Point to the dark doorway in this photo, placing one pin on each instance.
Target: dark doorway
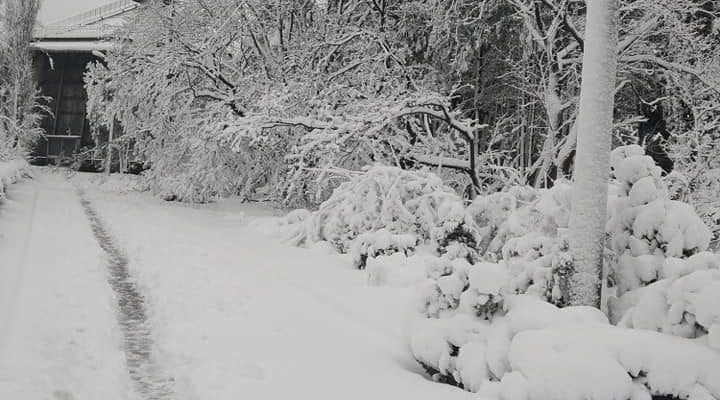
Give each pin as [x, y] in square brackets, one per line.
[60, 77]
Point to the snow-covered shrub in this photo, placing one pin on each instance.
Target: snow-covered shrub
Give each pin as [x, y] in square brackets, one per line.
[388, 209]
[543, 269]
[662, 275]
[381, 242]
[653, 240]
[460, 301]
[535, 350]
[472, 298]
[499, 216]
[470, 349]
[645, 225]
[458, 304]
[536, 252]
[440, 293]
[519, 229]
[11, 172]
[682, 303]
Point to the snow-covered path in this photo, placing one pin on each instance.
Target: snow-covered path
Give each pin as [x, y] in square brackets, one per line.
[234, 314]
[58, 332]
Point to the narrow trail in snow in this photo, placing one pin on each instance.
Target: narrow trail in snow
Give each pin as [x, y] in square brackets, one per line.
[149, 380]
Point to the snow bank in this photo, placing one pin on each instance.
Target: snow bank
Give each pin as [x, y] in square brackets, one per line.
[115, 183]
[119, 183]
[605, 362]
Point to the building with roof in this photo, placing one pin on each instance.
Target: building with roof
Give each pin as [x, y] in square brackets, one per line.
[62, 51]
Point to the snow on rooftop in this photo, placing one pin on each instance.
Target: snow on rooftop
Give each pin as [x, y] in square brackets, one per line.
[97, 23]
[71, 46]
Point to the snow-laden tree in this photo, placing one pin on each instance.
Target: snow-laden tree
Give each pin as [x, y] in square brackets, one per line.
[20, 109]
[185, 72]
[661, 44]
[307, 89]
[485, 92]
[592, 161]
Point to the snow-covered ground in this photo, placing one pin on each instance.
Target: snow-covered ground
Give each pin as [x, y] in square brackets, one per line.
[58, 331]
[233, 313]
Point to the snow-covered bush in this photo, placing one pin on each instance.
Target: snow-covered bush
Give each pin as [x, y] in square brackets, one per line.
[682, 303]
[387, 209]
[500, 216]
[11, 172]
[458, 302]
[465, 305]
[381, 242]
[662, 276]
[646, 226]
[456, 292]
[534, 350]
[482, 326]
[532, 243]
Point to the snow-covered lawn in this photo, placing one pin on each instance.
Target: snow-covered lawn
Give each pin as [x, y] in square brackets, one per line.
[234, 313]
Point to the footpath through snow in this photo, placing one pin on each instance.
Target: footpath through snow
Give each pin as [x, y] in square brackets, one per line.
[233, 314]
[59, 337]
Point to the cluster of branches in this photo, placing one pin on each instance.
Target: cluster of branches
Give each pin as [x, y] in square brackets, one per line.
[20, 106]
[234, 96]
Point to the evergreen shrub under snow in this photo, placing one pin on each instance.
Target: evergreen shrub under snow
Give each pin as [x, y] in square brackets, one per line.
[663, 277]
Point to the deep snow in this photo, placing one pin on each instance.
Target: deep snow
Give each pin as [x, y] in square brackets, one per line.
[233, 313]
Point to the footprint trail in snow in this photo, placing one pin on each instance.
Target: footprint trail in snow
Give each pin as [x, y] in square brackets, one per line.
[146, 374]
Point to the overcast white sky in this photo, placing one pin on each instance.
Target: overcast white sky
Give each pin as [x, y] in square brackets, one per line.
[53, 10]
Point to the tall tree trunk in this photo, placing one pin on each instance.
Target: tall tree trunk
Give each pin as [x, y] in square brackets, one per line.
[592, 161]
